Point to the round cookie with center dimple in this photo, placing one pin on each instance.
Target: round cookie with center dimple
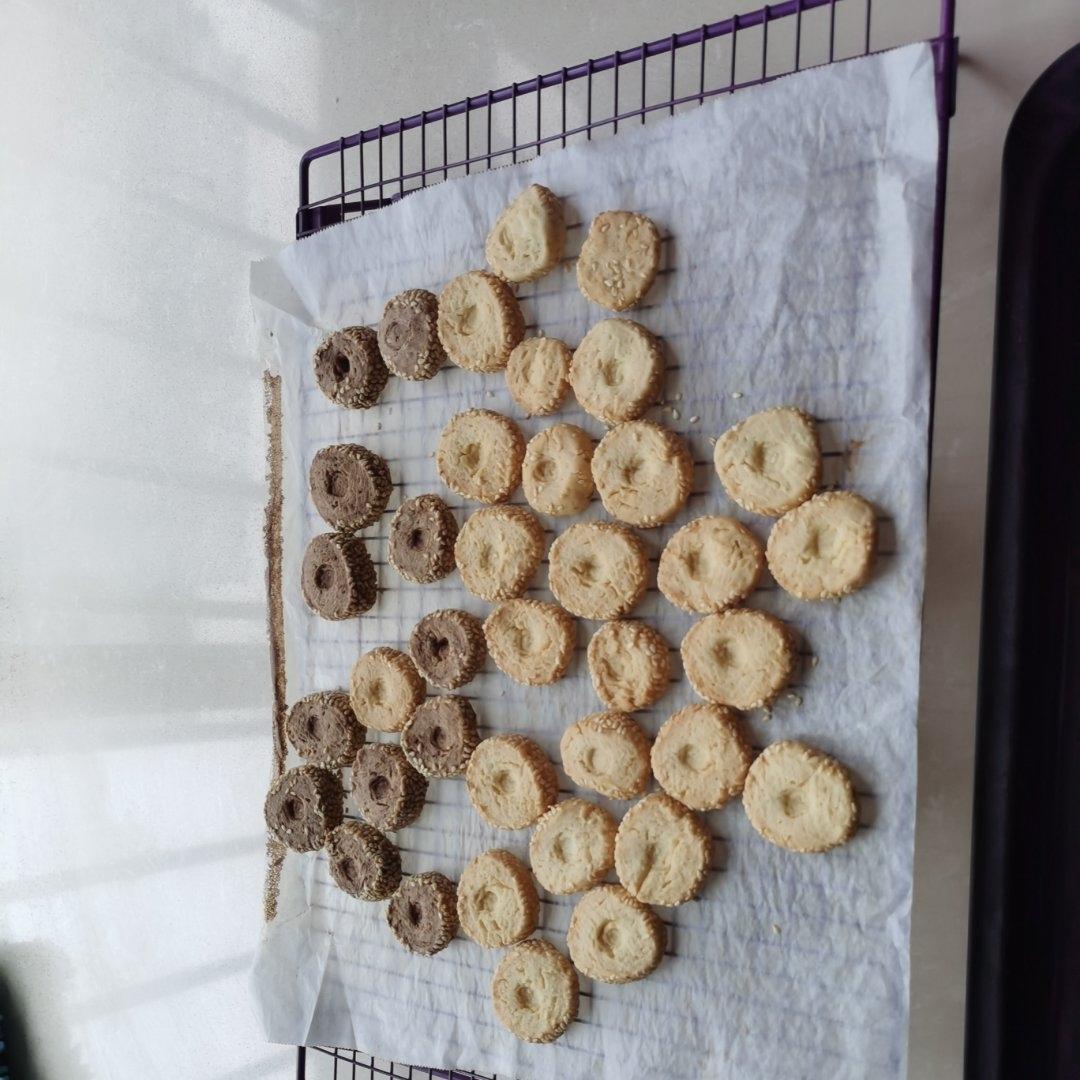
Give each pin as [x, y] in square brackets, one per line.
[598, 570]
[479, 321]
[479, 455]
[572, 846]
[498, 551]
[643, 473]
[799, 798]
[409, 335]
[662, 851]
[388, 790]
[384, 688]
[608, 753]
[535, 991]
[617, 370]
[710, 564]
[528, 238]
[324, 730]
[613, 937]
[337, 577]
[440, 736]
[619, 259]
[510, 781]
[448, 647]
[771, 461]
[740, 657]
[349, 369]
[556, 474]
[363, 862]
[496, 900]
[422, 535]
[530, 640]
[630, 664]
[303, 805]
[537, 374]
[350, 485]
[824, 549]
[700, 756]
[423, 913]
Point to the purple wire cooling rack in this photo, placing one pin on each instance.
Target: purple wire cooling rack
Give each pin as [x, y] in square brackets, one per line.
[360, 173]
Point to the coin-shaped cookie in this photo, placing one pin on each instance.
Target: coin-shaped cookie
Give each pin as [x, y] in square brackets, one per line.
[448, 647]
[409, 335]
[619, 259]
[303, 805]
[527, 240]
[323, 729]
[350, 485]
[349, 369]
[479, 321]
[337, 577]
[422, 535]
[422, 914]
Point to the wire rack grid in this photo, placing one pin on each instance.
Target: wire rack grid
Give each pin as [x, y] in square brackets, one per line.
[376, 167]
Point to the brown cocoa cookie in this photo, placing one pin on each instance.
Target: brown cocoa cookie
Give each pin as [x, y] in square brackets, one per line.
[422, 535]
[324, 730]
[423, 913]
[303, 805]
[338, 577]
[363, 862]
[388, 790]
[448, 647]
[349, 369]
[440, 736]
[349, 486]
[409, 335]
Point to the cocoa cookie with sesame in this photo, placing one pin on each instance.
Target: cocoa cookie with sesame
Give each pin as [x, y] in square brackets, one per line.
[337, 577]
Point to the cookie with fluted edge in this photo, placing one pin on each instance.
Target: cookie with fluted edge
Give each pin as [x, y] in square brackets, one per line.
[479, 455]
[771, 461]
[388, 790]
[337, 576]
[537, 374]
[824, 549]
[409, 335]
[303, 805]
[607, 752]
[363, 863]
[556, 473]
[350, 485]
[800, 798]
[711, 563]
[740, 657]
[496, 900]
[573, 846]
[422, 914]
[598, 570]
[479, 321]
[384, 688]
[323, 729]
[662, 851]
[448, 647]
[510, 781]
[531, 641]
[498, 551]
[440, 736]
[613, 937]
[535, 991]
[619, 259]
[630, 664]
[527, 240]
[349, 368]
[617, 370]
[700, 756]
[643, 473]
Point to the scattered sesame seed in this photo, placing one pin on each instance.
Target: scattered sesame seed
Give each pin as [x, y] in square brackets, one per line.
[795, 697]
[694, 419]
[813, 661]
[678, 397]
[776, 928]
[674, 414]
[737, 394]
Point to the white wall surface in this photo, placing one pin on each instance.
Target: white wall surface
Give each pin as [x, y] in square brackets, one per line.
[147, 153]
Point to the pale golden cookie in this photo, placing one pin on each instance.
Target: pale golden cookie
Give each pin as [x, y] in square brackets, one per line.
[530, 640]
[572, 846]
[528, 238]
[598, 570]
[607, 753]
[496, 900]
[479, 455]
[740, 657]
[384, 688]
[700, 756]
[710, 564]
[619, 259]
[617, 370]
[613, 937]
[537, 374]
[662, 851]
[643, 473]
[630, 664]
[535, 991]
[479, 321]
[510, 781]
[824, 549]
[771, 461]
[799, 798]
[498, 551]
[556, 474]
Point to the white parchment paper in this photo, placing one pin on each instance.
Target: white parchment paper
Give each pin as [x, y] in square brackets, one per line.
[796, 269]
